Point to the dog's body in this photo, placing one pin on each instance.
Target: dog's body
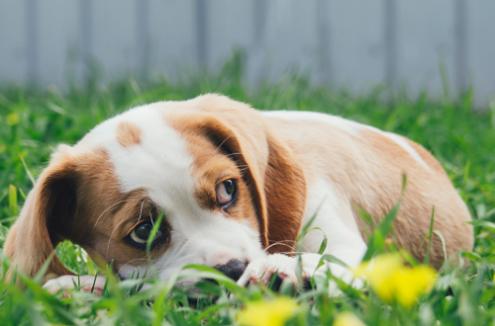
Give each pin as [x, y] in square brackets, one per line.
[234, 183]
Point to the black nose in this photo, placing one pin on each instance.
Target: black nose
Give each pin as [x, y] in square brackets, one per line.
[233, 269]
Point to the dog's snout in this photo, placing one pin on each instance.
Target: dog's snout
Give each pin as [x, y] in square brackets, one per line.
[233, 268]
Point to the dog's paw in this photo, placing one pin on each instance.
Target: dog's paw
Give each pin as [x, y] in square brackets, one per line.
[86, 283]
[277, 268]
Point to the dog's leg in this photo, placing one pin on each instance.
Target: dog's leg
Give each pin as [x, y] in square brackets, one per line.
[299, 268]
[331, 221]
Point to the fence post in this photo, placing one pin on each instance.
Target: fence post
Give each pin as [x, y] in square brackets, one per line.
[143, 37]
[32, 41]
[86, 39]
[201, 18]
[324, 40]
[461, 45]
[259, 14]
[390, 40]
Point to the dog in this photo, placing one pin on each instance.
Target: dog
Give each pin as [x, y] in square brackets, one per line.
[233, 188]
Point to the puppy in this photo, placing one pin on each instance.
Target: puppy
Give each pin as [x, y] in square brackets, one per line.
[233, 188]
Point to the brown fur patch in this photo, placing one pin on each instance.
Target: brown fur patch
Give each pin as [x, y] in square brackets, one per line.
[427, 192]
[78, 198]
[274, 181]
[128, 134]
[210, 167]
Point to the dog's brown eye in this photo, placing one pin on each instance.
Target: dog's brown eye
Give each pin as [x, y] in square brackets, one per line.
[226, 191]
[141, 233]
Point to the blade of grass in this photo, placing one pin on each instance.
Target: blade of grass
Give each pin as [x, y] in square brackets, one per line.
[154, 232]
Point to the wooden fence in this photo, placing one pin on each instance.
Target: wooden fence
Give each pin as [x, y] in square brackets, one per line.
[437, 45]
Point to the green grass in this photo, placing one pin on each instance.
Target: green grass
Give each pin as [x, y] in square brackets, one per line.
[33, 122]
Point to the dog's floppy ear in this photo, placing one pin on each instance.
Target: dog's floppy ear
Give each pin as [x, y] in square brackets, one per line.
[285, 191]
[47, 213]
[275, 180]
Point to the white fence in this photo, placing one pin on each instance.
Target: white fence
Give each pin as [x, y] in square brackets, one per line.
[353, 44]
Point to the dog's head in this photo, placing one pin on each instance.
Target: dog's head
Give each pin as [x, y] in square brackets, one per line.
[208, 170]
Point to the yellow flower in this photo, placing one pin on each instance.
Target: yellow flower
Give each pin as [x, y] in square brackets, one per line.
[378, 272]
[267, 313]
[411, 283]
[13, 119]
[347, 319]
[393, 281]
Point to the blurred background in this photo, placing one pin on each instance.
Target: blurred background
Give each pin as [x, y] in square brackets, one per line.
[443, 47]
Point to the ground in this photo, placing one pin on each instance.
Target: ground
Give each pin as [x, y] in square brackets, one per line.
[462, 137]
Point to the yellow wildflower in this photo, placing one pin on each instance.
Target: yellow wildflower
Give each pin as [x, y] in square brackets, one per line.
[393, 281]
[347, 319]
[12, 119]
[411, 283]
[378, 272]
[267, 313]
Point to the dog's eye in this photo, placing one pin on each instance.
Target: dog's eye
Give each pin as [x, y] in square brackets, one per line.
[226, 191]
[141, 233]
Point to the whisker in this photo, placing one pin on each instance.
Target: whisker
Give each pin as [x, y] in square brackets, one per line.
[281, 243]
[137, 260]
[109, 241]
[244, 169]
[209, 157]
[233, 154]
[140, 211]
[106, 211]
[222, 143]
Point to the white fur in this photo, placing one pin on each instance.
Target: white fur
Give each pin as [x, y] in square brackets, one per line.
[262, 269]
[333, 220]
[349, 126]
[161, 165]
[86, 283]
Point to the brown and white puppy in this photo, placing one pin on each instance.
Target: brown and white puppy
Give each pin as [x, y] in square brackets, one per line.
[235, 187]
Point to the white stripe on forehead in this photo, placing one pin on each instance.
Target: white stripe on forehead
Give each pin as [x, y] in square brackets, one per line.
[160, 163]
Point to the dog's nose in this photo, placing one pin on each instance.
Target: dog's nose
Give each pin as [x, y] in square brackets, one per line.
[233, 269]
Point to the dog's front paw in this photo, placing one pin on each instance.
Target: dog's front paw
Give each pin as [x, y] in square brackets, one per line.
[277, 268]
[86, 283]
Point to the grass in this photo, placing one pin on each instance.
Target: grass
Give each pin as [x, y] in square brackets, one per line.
[34, 122]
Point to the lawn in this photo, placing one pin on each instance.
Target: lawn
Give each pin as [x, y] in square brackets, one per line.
[33, 122]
